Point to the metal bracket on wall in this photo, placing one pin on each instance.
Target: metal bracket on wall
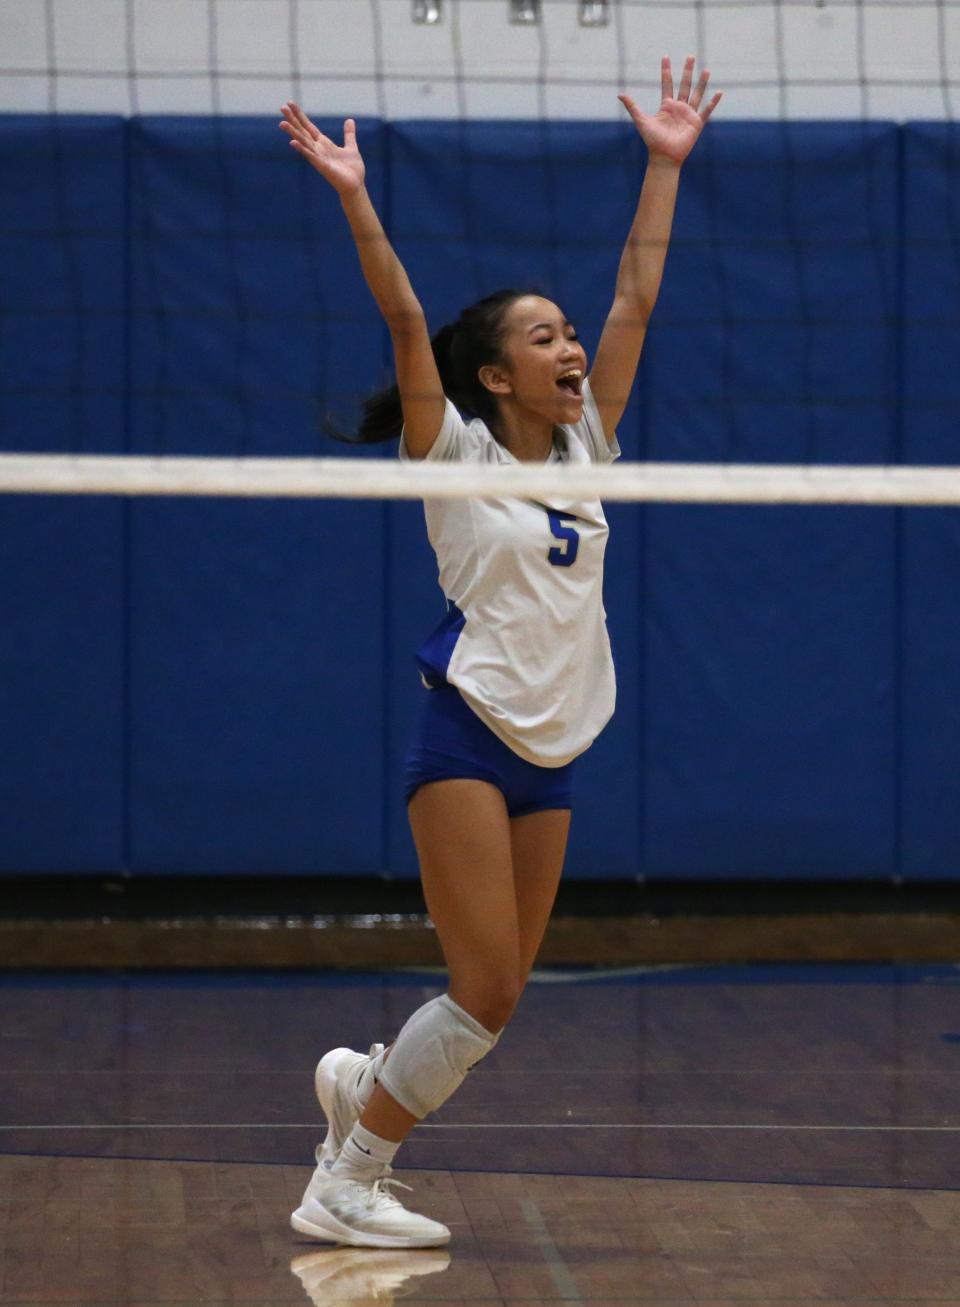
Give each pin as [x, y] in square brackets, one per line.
[525, 12]
[594, 13]
[428, 12]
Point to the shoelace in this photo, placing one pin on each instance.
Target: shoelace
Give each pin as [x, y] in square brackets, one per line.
[380, 1190]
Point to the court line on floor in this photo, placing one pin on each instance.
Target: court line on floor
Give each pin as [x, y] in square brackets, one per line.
[559, 1271]
[499, 1125]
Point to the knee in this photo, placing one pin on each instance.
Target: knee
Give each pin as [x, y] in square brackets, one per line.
[490, 999]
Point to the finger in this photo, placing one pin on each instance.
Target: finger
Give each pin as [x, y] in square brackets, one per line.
[303, 121]
[632, 109]
[666, 78]
[349, 135]
[700, 90]
[291, 117]
[686, 78]
[299, 125]
[309, 127]
[705, 113]
[296, 133]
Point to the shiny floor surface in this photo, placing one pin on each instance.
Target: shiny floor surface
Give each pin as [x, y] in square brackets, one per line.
[778, 1135]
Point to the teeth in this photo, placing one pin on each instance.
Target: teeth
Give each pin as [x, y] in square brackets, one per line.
[572, 372]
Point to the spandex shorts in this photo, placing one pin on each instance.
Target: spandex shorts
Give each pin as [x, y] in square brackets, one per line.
[451, 742]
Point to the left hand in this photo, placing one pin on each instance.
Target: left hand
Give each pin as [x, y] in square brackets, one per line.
[672, 131]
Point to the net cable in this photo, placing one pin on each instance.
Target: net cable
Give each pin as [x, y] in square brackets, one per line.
[230, 57]
[348, 478]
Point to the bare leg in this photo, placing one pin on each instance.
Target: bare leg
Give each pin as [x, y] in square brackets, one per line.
[463, 838]
[538, 845]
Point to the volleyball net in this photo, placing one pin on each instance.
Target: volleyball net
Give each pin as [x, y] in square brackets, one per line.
[209, 685]
[332, 478]
[177, 286]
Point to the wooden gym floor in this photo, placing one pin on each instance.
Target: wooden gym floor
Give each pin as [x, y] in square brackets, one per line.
[766, 1135]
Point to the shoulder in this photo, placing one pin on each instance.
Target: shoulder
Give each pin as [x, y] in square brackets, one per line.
[586, 440]
[459, 440]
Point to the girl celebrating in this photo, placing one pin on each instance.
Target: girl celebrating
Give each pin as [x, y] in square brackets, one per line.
[519, 679]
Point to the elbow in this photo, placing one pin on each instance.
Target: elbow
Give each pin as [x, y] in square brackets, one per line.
[405, 319]
[636, 307]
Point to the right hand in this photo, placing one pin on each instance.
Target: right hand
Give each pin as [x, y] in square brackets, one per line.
[342, 167]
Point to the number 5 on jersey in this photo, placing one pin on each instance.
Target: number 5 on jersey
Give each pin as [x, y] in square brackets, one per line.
[565, 554]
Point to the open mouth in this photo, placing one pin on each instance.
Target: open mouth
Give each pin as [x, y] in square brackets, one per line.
[570, 381]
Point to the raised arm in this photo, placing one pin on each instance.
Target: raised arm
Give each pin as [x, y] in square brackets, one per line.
[421, 392]
[669, 135]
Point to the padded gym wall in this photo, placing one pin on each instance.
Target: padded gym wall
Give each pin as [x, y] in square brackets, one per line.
[215, 687]
[63, 337]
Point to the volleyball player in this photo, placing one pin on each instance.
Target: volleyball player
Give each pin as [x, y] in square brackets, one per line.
[519, 679]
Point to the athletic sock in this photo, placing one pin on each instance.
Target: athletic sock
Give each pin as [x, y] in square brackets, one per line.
[363, 1155]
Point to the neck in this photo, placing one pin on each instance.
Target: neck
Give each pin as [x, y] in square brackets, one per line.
[527, 436]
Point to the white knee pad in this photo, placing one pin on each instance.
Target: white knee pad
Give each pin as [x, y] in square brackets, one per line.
[432, 1054]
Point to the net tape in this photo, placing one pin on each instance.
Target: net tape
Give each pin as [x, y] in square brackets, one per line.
[351, 478]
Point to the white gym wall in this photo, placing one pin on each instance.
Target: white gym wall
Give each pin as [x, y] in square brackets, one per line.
[795, 58]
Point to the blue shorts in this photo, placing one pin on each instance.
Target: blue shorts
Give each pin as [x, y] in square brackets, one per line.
[451, 742]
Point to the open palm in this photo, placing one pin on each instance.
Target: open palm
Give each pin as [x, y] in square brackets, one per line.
[673, 130]
[342, 166]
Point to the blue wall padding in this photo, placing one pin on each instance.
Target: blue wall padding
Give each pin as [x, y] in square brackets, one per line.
[775, 332]
[62, 688]
[220, 687]
[256, 643]
[929, 631]
[610, 782]
[769, 635]
[256, 653]
[770, 708]
[62, 562]
[63, 241]
[249, 315]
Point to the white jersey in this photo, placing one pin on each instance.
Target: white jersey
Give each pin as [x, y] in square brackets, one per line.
[524, 639]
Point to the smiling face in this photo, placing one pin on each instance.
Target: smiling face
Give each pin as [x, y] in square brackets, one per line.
[544, 365]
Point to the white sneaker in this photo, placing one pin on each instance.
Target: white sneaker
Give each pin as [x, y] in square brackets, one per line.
[364, 1214]
[336, 1080]
[353, 1275]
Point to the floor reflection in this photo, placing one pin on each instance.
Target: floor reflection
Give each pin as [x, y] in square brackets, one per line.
[364, 1275]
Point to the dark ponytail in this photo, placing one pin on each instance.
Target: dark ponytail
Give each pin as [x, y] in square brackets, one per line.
[460, 349]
